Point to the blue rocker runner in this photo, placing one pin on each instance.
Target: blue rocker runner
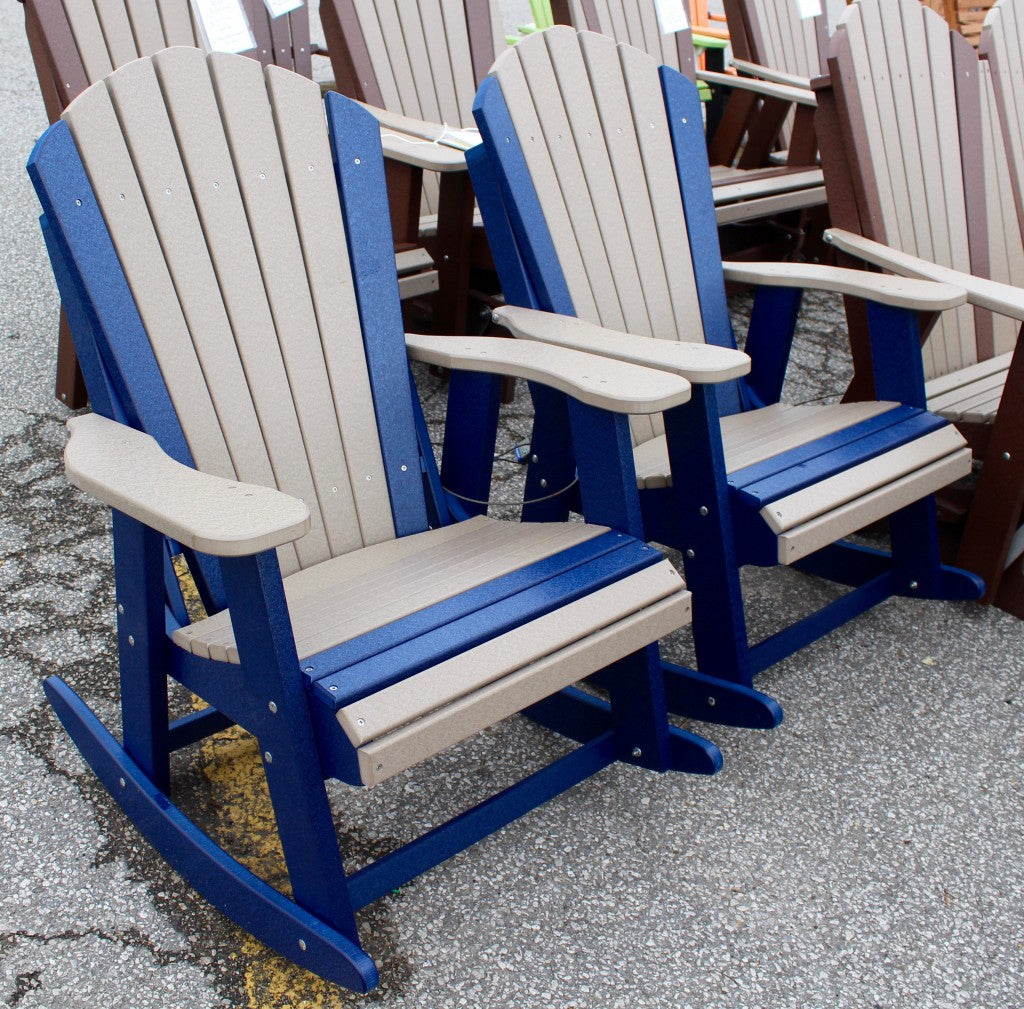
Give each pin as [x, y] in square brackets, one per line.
[222, 243]
[594, 186]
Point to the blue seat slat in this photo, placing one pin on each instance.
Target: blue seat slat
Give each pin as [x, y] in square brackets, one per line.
[437, 633]
[825, 457]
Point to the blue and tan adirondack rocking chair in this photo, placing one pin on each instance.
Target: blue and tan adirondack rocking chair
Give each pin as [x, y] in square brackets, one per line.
[235, 303]
[920, 184]
[594, 185]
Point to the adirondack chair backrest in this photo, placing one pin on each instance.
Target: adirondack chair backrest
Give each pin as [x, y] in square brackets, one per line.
[225, 210]
[924, 142]
[772, 33]
[634, 22]
[78, 42]
[604, 169]
[1002, 47]
[422, 59]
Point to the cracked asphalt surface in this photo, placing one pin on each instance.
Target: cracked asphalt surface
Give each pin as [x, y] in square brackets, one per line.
[867, 853]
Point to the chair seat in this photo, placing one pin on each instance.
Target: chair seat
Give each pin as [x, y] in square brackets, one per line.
[419, 642]
[970, 395]
[816, 473]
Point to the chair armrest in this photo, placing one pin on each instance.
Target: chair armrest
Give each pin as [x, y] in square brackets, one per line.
[437, 147]
[699, 363]
[1003, 299]
[766, 89]
[129, 471]
[590, 378]
[900, 292]
[771, 74]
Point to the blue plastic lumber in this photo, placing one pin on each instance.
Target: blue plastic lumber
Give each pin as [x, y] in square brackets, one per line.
[142, 646]
[391, 653]
[636, 694]
[693, 694]
[846, 563]
[470, 433]
[522, 205]
[512, 272]
[81, 329]
[686, 128]
[697, 461]
[438, 511]
[246, 899]
[359, 168]
[172, 587]
[769, 341]
[582, 716]
[439, 844]
[777, 647]
[81, 234]
[896, 359]
[197, 726]
[604, 460]
[835, 453]
[551, 490]
[281, 722]
[916, 566]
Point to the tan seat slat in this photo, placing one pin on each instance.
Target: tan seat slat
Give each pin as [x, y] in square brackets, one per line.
[356, 593]
[964, 376]
[827, 495]
[446, 726]
[803, 540]
[417, 695]
[956, 399]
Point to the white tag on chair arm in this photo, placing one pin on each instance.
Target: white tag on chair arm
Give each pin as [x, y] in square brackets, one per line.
[278, 7]
[223, 26]
[808, 8]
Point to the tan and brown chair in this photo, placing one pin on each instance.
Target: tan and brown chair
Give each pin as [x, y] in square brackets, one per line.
[920, 184]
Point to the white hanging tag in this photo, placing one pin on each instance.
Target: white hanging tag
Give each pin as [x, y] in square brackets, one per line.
[223, 26]
[671, 16]
[808, 8]
[275, 8]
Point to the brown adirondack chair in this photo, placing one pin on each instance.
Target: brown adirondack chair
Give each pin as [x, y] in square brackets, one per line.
[771, 42]
[417, 65]
[919, 183]
[747, 186]
[74, 45]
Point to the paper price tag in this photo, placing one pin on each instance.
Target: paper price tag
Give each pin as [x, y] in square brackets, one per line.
[278, 7]
[808, 9]
[223, 26]
[672, 16]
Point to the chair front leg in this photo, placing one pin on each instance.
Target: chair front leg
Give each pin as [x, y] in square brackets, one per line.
[280, 719]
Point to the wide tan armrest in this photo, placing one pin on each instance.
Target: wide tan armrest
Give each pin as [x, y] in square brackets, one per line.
[771, 74]
[590, 378]
[434, 146]
[130, 472]
[1003, 299]
[699, 363]
[768, 89]
[900, 292]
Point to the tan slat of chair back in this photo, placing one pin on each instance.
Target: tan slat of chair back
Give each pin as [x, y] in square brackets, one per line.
[909, 148]
[235, 252]
[622, 244]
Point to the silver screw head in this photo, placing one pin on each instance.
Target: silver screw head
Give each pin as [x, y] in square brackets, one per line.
[1006, 457]
[268, 756]
[712, 702]
[702, 510]
[302, 944]
[913, 586]
[131, 640]
[272, 707]
[636, 753]
[691, 554]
